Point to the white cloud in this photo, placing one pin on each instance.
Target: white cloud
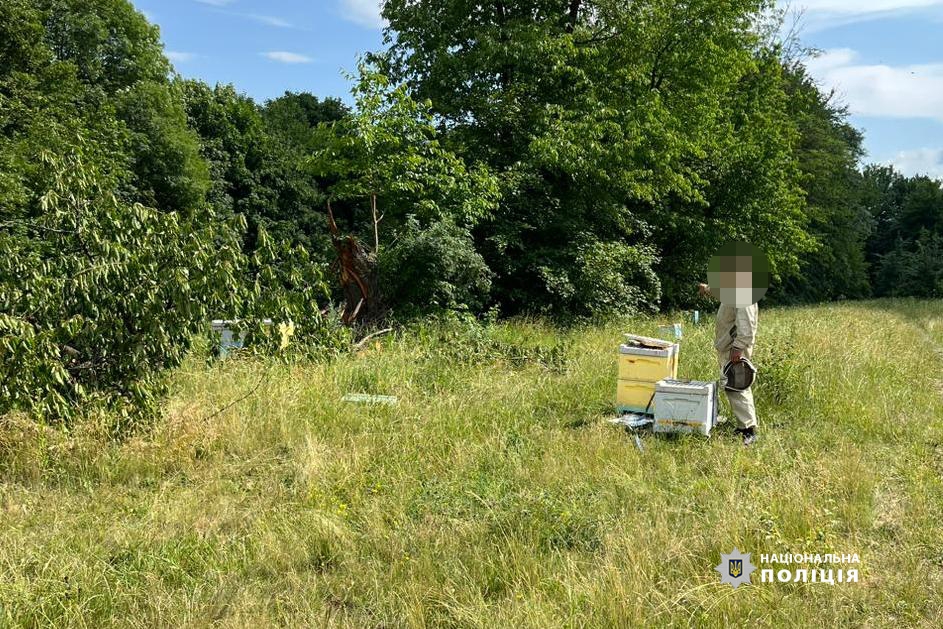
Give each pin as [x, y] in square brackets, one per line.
[910, 91]
[819, 15]
[363, 12]
[287, 57]
[271, 20]
[179, 57]
[831, 59]
[924, 161]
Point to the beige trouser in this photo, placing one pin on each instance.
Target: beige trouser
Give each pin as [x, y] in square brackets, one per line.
[741, 402]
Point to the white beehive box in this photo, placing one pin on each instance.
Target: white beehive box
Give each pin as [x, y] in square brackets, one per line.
[685, 406]
[229, 337]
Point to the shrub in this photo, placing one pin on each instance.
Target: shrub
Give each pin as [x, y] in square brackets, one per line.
[284, 284]
[98, 297]
[433, 268]
[605, 278]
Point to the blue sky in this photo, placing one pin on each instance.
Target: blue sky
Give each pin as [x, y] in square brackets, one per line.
[267, 47]
[884, 58]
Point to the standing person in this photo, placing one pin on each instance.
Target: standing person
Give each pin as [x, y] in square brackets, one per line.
[738, 277]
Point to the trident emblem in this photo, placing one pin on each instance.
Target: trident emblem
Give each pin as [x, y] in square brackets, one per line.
[735, 568]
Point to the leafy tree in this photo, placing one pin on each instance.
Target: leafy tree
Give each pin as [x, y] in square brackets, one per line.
[119, 60]
[388, 148]
[100, 293]
[921, 207]
[904, 248]
[627, 124]
[913, 269]
[21, 43]
[169, 172]
[751, 186]
[612, 276]
[433, 268]
[828, 150]
[386, 155]
[110, 43]
[294, 117]
[882, 191]
[99, 296]
[254, 172]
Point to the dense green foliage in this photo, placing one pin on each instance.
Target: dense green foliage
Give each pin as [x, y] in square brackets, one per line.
[905, 250]
[433, 268]
[828, 150]
[614, 128]
[111, 255]
[98, 296]
[390, 172]
[294, 117]
[256, 173]
[118, 59]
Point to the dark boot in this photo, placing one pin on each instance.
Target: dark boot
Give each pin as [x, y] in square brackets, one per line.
[748, 435]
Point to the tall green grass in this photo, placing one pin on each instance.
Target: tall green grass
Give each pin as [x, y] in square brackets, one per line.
[494, 494]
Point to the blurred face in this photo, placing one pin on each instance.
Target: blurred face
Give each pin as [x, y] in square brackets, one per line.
[739, 274]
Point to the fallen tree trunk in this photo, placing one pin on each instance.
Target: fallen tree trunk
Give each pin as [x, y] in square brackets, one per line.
[358, 277]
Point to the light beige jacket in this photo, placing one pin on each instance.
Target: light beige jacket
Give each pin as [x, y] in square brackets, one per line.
[735, 327]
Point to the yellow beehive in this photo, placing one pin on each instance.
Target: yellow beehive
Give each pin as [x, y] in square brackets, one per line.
[635, 396]
[650, 365]
[643, 361]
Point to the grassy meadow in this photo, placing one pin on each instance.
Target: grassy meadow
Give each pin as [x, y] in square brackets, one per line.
[494, 494]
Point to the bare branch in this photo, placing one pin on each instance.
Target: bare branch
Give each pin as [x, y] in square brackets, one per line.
[367, 338]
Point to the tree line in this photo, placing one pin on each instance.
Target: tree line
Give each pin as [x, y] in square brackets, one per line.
[559, 157]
